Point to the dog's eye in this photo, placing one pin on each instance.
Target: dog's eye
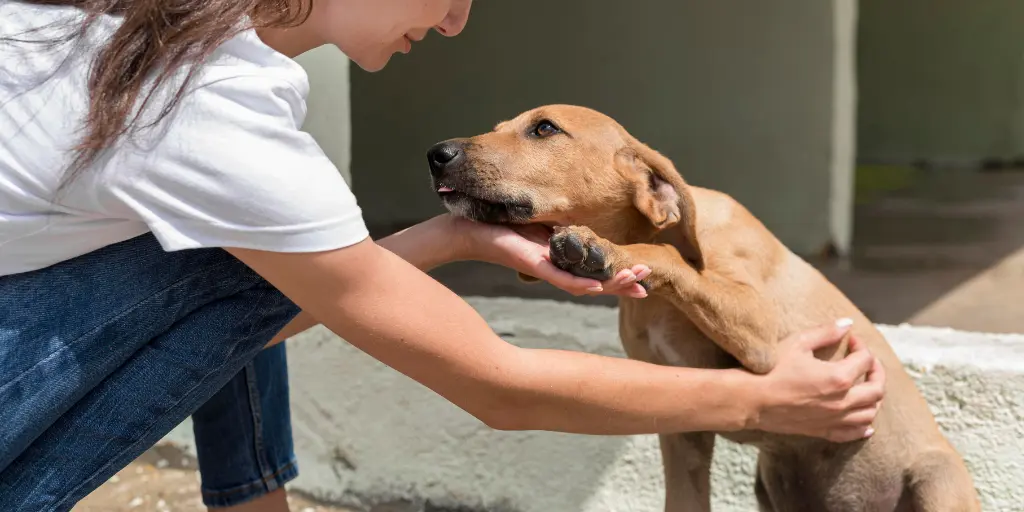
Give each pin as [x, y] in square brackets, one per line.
[544, 128]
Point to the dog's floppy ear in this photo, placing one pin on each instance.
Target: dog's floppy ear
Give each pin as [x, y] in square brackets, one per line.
[662, 196]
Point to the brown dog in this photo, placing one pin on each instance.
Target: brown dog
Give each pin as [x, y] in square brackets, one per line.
[723, 289]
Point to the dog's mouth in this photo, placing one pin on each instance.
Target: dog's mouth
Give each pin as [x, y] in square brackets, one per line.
[485, 207]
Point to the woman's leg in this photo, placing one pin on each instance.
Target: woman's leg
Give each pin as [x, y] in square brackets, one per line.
[104, 354]
[243, 435]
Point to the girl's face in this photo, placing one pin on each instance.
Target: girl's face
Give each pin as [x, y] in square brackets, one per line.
[370, 31]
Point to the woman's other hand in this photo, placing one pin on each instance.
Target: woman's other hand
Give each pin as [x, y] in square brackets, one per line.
[525, 249]
[835, 400]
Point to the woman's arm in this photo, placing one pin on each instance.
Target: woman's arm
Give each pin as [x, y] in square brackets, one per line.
[445, 239]
[391, 310]
[425, 246]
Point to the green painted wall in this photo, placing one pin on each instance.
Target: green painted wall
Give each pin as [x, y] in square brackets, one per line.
[940, 80]
[328, 114]
[741, 95]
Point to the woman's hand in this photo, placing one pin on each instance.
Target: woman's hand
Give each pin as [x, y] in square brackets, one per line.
[835, 400]
[525, 249]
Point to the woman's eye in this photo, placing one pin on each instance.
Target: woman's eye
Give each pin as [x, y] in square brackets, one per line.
[545, 129]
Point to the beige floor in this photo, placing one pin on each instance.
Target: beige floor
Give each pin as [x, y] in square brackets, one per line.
[165, 480]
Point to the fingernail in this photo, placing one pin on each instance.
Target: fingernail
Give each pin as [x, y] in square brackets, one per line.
[595, 289]
[644, 273]
[869, 432]
[628, 279]
[843, 323]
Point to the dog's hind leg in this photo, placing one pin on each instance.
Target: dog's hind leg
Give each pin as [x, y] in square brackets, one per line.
[940, 482]
[687, 462]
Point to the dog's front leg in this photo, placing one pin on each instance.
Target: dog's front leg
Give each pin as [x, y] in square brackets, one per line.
[686, 459]
[720, 303]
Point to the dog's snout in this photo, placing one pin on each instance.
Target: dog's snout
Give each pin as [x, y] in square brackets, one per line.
[443, 155]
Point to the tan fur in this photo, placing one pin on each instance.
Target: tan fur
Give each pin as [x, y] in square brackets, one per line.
[722, 291]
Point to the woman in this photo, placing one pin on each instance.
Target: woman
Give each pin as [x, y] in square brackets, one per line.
[163, 219]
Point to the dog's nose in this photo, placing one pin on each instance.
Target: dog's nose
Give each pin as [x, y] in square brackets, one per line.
[442, 155]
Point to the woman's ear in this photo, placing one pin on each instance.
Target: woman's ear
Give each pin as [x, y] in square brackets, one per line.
[664, 198]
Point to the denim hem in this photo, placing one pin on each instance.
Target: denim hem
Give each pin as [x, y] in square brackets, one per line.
[229, 497]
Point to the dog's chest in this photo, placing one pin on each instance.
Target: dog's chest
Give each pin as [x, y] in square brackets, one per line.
[664, 335]
[662, 341]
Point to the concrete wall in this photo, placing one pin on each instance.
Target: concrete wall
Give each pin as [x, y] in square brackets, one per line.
[328, 117]
[752, 98]
[940, 80]
[368, 435]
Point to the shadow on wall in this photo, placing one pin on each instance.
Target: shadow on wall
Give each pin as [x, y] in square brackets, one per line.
[944, 248]
[940, 91]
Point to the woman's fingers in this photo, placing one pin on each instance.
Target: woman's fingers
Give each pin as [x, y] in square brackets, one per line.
[847, 372]
[855, 424]
[625, 283]
[822, 335]
[624, 278]
[846, 435]
[565, 281]
[861, 418]
[642, 272]
[531, 258]
[868, 393]
[858, 363]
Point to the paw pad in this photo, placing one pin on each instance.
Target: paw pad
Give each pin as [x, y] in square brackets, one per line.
[579, 255]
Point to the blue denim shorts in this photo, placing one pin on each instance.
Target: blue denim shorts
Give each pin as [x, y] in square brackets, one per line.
[102, 355]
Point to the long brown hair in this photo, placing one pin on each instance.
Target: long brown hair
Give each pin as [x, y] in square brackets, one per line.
[156, 39]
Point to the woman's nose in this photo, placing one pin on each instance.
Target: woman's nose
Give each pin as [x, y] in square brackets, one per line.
[456, 19]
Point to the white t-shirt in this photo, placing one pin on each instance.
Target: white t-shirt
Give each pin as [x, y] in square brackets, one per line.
[230, 168]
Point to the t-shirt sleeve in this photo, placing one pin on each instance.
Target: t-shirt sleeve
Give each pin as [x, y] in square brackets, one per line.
[231, 168]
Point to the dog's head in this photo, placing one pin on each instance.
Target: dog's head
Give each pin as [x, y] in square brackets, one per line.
[562, 165]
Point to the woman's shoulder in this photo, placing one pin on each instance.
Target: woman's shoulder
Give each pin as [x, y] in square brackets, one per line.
[245, 55]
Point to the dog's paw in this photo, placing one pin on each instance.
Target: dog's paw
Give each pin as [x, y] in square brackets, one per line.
[577, 250]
